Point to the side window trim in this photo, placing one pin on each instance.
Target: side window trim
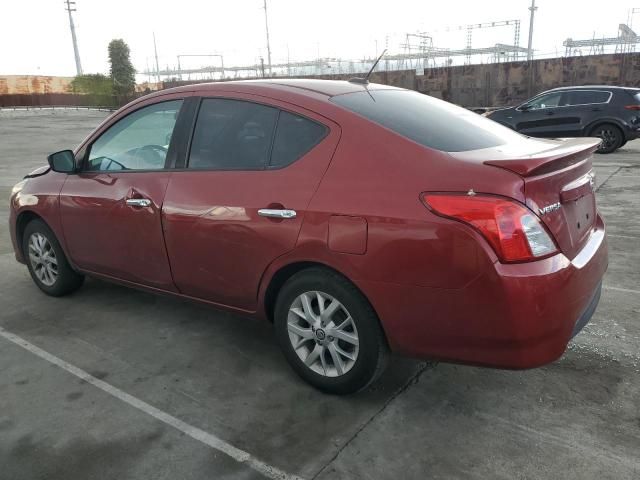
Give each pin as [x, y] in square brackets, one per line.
[178, 153]
[591, 103]
[270, 166]
[199, 101]
[542, 95]
[87, 148]
[566, 94]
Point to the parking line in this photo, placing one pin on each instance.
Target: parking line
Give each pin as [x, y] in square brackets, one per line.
[193, 432]
[615, 235]
[620, 289]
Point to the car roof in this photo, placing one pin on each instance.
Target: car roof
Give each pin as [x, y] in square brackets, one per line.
[297, 86]
[590, 87]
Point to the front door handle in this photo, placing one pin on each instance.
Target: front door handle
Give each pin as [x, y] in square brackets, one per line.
[138, 202]
[277, 213]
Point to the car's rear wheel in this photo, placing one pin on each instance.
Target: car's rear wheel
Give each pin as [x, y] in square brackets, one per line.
[46, 261]
[611, 137]
[329, 332]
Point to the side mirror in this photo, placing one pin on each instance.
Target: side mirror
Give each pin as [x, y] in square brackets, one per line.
[525, 108]
[62, 161]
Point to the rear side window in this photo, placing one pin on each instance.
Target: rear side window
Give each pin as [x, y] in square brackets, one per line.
[586, 97]
[232, 135]
[426, 120]
[295, 136]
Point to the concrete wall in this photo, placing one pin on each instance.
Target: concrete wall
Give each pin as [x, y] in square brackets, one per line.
[500, 84]
[496, 84]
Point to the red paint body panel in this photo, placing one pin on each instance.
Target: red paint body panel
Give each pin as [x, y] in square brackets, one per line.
[218, 244]
[435, 283]
[104, 234]
[347, 234]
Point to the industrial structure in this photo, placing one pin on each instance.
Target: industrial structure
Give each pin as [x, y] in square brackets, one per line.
[418, 52]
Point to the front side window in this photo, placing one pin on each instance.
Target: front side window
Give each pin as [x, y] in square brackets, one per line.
[232, 135]
[545, 101]
[139, 141]
[587, 97]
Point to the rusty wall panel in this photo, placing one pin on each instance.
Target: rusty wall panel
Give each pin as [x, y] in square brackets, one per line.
[33, 84]
[496, 84]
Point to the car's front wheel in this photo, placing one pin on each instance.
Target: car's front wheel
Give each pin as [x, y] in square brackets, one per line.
[46, 261]
[611, 137]
[329, 332]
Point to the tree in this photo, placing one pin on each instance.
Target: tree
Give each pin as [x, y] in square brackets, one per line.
[123, 75]
[92, 84]
[95, 88]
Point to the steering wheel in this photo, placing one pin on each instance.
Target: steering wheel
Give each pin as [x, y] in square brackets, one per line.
[157, 152]
[111, 161]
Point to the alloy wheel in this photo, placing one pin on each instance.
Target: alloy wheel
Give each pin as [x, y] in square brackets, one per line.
[609, 138]
[43, 259]
[323, 334]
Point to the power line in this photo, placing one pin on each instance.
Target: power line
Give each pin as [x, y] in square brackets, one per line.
[70, 7]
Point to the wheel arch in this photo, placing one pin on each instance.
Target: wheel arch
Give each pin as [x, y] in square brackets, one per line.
[604, 121]
[280, 277]
[285, 272]
[23, 219]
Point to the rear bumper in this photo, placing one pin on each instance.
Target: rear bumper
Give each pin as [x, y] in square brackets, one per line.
[513, 316]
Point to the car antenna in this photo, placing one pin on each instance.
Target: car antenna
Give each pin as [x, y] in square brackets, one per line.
[365, 80]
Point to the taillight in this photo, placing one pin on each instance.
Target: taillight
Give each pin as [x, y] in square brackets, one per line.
[514, 232]
[632, 107]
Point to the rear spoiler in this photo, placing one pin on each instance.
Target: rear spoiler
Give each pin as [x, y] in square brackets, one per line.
[570, 152]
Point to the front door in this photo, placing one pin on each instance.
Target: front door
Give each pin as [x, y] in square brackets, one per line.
[240, 202]
[111, 208]
[541, 117]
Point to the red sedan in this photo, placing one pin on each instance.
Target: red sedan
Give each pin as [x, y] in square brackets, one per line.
[358, 218]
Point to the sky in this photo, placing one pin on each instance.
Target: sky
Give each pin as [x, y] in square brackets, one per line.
[35, 36]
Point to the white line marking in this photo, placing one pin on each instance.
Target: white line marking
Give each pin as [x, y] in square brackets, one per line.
[619, 289]
[194, 432]
[623, 236]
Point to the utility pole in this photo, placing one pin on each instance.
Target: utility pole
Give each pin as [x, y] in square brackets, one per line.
[155, 51]
[71, 7]
[266, 26]
[532, 9]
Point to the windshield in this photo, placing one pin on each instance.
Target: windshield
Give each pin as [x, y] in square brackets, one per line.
[426, 120]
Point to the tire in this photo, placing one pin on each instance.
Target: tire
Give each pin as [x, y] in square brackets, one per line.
[46, 261]
[362, 364]
[611, 135]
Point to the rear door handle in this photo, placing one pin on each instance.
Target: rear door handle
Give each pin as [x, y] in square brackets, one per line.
[138, 202]
[277, 213]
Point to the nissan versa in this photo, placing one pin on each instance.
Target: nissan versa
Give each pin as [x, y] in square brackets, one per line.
[358, 218]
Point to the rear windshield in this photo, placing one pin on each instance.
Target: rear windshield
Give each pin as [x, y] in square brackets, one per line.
[426, 120]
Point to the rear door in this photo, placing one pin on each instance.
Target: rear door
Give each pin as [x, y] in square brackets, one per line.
[583, 107]
[111, 209]
[240, 200]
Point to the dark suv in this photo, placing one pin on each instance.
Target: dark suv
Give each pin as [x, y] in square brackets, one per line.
[610, 113]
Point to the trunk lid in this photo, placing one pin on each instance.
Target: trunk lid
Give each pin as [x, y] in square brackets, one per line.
[559, 184]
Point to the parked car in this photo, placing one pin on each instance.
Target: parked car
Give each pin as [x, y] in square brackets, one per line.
[358, 218]
[609, 113]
